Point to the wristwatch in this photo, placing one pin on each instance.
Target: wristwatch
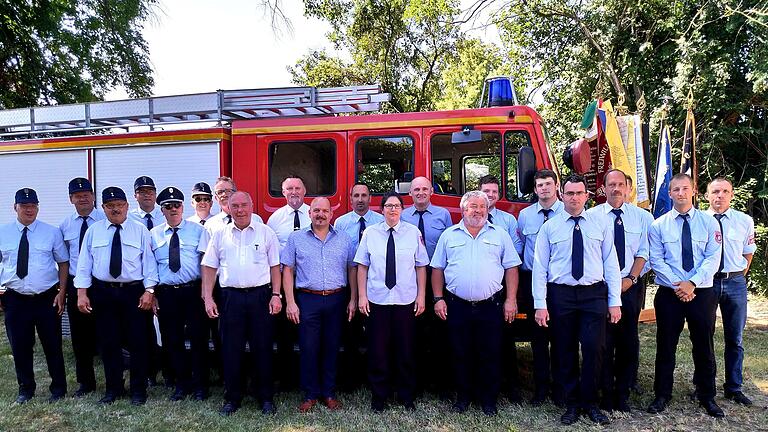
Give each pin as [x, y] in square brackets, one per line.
[278, 295]
[632, 278]
[150, 290]
[437, 299]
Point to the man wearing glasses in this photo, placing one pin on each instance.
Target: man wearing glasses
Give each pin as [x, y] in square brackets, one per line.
[223, 190]
[202, 201]
[146, 213]
[576, 284]
[177, 249]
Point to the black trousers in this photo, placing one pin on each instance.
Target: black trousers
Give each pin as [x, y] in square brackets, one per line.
[433, 360]
[544, 365]
[319, 341]
[577, 317]
[475, 330]
[182, 313]
[244, 317]
[118, 318]
[391, 334]
[352, 359]
[23, 315]
[82, 329]
[671, 315]
[622, 347]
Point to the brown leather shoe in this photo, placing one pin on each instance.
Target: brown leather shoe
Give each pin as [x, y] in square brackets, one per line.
[307, 405]
[332, 403]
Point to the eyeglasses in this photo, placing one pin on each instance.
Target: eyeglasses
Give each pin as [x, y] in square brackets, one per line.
[571, 194]
[202, 198]
[392, 206]
[115, 205]
[172, 205]
[223, 192]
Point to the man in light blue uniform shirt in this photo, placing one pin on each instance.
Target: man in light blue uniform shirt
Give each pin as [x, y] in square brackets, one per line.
[33, 293]
[630, 226]
[576, 282]
[82, 327]
[146, 213]
[730, 281]
[685, 248]
[361, 217]
[321, 259]
[354, 223]
[115, 280]
[180, 310]
[471, 260]
[529, 223]
[431, 333]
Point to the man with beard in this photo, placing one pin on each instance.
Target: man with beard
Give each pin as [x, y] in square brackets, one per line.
[321, 259]
[115, 280]
[82, 327]
[471, 259]
[354, 224]
[248, 258]
[33, 293]
[630, 238]
[576, 282]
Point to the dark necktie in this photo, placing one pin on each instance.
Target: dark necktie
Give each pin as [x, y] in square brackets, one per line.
[687, 244]
[202, 221]
[229, 219]
[22, 265]
[490, 217]
[174, 252]
[83, 229]
[618, 237]
[362, 228]
[722, 234]
[546, 213]
[421, 224]
[150, 224]
[116, 256]
[296, 221]
[391, 269]
[577, 251]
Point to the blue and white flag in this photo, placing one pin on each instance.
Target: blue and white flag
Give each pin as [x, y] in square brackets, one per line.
[662, 202]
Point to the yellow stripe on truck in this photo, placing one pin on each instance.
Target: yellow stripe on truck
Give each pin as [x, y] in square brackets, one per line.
[96, 142]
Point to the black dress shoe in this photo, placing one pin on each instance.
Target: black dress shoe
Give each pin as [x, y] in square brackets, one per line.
[23, 398]
[200, 395]
[738, 397]
[268, 408]
[598, 416]
[658, 405]
[622, 405]
[56, 397]
[712, 409]
[82, 391]
[138, 399]
[109, 398]
[570, 416]
[178, 395]
[490, 410]
[228, 408]
[460, 406]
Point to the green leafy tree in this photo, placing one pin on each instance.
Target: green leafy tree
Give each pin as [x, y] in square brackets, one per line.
[65, 51]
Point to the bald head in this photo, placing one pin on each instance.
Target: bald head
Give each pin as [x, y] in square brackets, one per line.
[320, 213]
[241, 208]
[421, 192]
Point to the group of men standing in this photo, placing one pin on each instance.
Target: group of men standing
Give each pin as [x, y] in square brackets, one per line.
[578, 272]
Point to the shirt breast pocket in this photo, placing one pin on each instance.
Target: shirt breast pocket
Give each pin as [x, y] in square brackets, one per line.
[454, 250]
[132, 262]
[699, 243]
[530, 232]
[9, 253]
[258, 254]
[632, 237]
[737, 235]
[161, 252]
[593, 242]
[101, 252]
[492, 248]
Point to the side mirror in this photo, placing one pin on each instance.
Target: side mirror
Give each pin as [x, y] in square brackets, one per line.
[467, 135]
[526, 168]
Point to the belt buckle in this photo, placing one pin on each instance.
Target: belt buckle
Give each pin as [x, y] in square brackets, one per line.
[324, 292]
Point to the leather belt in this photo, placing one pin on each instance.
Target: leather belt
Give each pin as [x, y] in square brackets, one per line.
[728, 275]
[495, 296]
[184, 285]
[120, 284]
[248, 289]
[320, 292]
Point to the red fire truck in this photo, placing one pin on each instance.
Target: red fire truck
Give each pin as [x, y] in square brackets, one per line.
[259, 136]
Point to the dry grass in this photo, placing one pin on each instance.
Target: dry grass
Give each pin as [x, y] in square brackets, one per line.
[431, 415]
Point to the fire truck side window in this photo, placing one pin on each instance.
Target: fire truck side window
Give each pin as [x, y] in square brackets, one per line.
[314, 161]
[513, 141]
[456, 168]
[385, 163]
